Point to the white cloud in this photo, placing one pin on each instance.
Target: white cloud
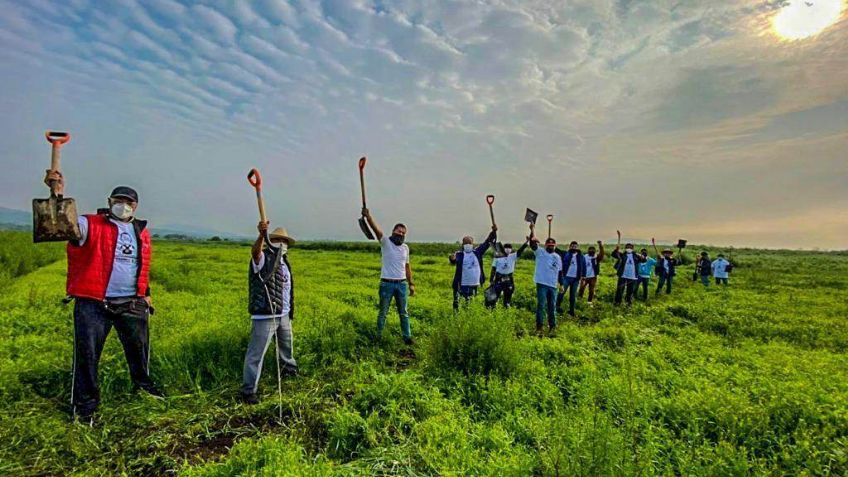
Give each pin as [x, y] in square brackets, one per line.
[454, 97]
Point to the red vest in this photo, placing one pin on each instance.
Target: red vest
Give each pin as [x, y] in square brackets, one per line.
[90, 265]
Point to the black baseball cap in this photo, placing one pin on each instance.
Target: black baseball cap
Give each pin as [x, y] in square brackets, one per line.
[124, 191]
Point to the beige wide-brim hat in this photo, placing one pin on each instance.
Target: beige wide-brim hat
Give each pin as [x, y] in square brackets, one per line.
[282, 234]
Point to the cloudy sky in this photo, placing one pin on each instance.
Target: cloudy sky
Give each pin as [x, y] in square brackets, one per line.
[671, 119]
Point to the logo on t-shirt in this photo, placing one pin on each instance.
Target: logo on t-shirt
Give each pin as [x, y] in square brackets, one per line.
[126, 247]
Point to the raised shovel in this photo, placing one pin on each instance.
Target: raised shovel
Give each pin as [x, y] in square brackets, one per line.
[498, 247]
[255, 179]
[550, 219]
[55, 219]
[363, 224]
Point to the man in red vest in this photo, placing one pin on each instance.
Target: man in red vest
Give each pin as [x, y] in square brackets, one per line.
[108, 276]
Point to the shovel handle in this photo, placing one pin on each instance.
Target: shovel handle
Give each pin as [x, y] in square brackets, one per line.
[57, 140]
[362, 162]
[490, 199]
[255, 179]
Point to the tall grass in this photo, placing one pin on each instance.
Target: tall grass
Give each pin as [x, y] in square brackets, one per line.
[747, 380]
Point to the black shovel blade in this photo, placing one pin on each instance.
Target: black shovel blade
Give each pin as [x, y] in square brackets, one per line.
[530, 216]
[54, 220]
[363, 224]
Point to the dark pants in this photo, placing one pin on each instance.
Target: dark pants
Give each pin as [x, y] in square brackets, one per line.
[92, 322]
[590, 282]
[644, 283]
[720, 281]
[664, 280]
[545, 302]
[570, 284]
[506, 287]
[464, 292]
[705, 280]
[625, 285]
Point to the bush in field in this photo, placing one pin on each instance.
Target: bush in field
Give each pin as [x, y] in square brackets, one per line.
[474, 341]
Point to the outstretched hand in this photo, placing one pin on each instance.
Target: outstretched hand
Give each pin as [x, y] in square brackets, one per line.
[366, 212]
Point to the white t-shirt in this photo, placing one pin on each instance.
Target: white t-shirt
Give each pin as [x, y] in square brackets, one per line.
[505, 265]
[548, 266]
[720, 268]
[629, 266]
[590, 266]
[572, 266]
[394, 259]
[124, 279]
[286, 277]
[470, 270]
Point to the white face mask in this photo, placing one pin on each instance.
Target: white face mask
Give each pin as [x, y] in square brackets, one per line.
[121, 210]
[508, 251]
[629, 250]
[467, 247]
[283, 247]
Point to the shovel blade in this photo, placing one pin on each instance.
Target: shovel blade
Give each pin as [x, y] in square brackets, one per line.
[54, 220]
[365, 229]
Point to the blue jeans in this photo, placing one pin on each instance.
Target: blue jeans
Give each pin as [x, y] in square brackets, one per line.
[399, 292]
[705, 279]
[570, 284]
[545, 301]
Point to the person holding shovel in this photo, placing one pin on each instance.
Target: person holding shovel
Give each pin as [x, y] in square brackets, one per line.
[666, 268]
[593, 269]
[547, 276]
[271, 306]
[108, 277]
[626, 268]
[469, 274]
[703, 268]
[502, 272]
[395, 275]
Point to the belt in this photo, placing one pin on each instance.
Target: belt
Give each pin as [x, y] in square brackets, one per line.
[393, 280]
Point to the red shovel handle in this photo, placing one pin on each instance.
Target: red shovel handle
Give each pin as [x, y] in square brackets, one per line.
[57, 138]
[255, 179]
[362, 161]
[490, 199]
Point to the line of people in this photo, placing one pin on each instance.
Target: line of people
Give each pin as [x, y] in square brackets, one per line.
[109, 279]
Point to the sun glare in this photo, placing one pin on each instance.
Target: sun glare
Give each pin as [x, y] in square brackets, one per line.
[800, 19]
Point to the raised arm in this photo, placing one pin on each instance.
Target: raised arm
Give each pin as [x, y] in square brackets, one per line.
[256, 249]
[378, 232]
[534, 242]
[618, 244]
[654, 243]
[490, 239]
[522, 248]
[601, 253]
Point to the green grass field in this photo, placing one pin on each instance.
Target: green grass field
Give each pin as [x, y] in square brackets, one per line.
[748, 380]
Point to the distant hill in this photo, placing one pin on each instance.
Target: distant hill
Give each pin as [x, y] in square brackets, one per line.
[9, 218]
[14, 219]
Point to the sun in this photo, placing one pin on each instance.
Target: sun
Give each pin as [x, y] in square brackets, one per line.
[800, 19]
